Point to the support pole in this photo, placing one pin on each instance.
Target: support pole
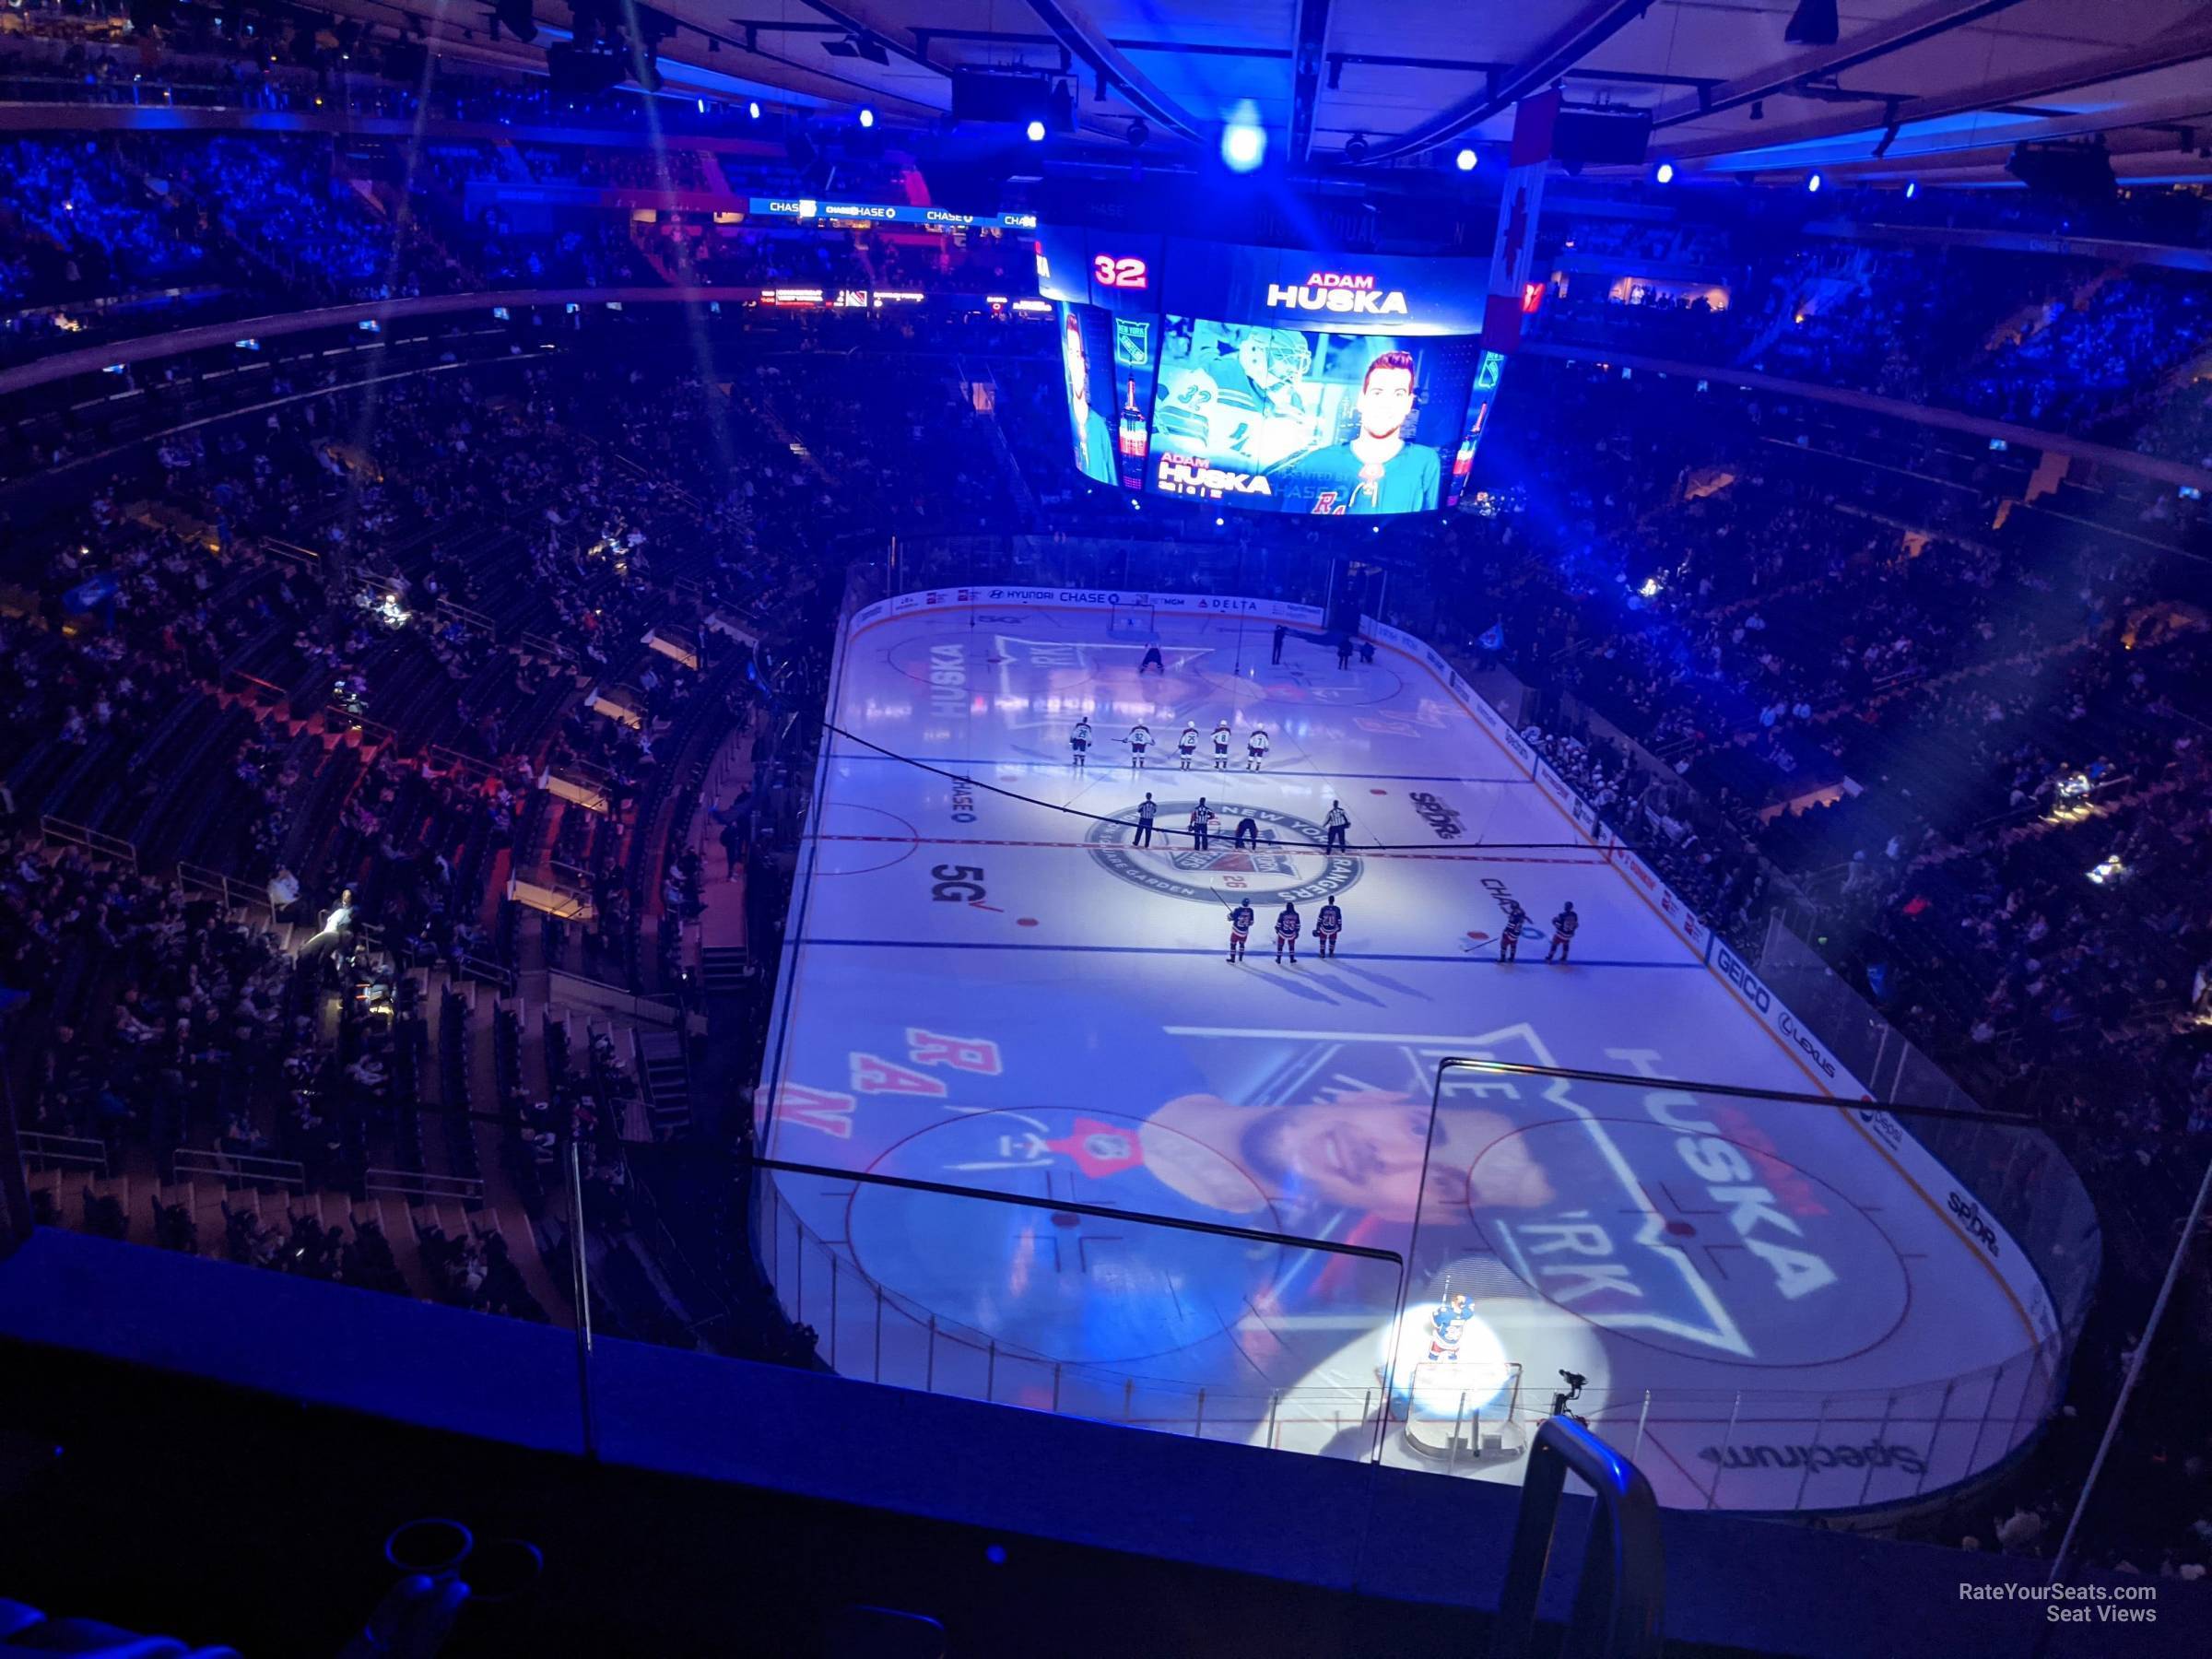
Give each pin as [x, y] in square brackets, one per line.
[2135, 1374]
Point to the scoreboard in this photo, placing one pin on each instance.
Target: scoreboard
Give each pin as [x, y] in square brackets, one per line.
[1269, 378]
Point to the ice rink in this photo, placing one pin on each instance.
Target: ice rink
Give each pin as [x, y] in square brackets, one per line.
[982, 991]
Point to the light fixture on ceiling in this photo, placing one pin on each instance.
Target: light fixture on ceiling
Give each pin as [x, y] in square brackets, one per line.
[1355, 149]
[1665, 173]
[1465, 160]
[1244, 139]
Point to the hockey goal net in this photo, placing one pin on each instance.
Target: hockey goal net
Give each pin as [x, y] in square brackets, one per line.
[1132, 622]
[1459, 1412]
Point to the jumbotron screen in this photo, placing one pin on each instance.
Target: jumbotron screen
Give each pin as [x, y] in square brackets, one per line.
[1266, 378]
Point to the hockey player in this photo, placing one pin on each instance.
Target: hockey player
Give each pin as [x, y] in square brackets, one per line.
[1562, 933]
[1078, 741]
[1288, 926]
[1187, 745]
[1337, 823]
[1447, 1324]
[1201, 826]
[1327, 925]
[1255, 750]
[1140, 739]
[1239, 930]
[1221, 747]
[1517, 923]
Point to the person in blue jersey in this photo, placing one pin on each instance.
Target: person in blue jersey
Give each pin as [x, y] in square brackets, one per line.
[1377, 471]
[1094, 444]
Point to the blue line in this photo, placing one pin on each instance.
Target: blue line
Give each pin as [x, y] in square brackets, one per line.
[1106, 764]
[1175, 951]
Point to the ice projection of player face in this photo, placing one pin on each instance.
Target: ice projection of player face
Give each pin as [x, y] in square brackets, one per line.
[1315, 1139]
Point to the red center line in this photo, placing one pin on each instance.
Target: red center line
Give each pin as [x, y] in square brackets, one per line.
[1219, 846]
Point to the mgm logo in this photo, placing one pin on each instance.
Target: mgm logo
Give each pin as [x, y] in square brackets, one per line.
[1287, 866]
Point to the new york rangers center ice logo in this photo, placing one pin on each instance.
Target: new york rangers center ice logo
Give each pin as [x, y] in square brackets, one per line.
[1287, 865]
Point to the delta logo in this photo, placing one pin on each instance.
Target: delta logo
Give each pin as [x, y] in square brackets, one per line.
[1337, 291]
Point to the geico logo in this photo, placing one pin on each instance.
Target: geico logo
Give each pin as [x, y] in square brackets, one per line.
[1291, 297]
[1740, 977]
[1972, 1219]
[1185, 475]
[1811, 1049]
[1721, 1164]
[1437, 817]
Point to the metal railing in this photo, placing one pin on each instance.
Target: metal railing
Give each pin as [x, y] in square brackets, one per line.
[39, 1149]
[61, 832]
[238, 1169]
[1620, 1594]
[419, 1186]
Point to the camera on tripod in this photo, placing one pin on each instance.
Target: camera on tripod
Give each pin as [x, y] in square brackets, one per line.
[1575, 1383]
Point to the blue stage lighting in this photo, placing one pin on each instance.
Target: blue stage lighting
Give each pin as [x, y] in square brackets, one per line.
[1665, 175]
[1244, 139]
[1812, 182]
[1465, 160]
[1036, 131]
[868, 118]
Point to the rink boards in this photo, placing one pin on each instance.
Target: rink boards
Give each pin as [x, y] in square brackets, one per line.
[987, 987]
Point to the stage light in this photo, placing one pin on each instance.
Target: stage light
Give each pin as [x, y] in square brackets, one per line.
[1244, 139]
[1812, 184]
[1355, 148]
[753, 109]
[1665, 175]
[702, 106]
[1912, 189]
[1465, 160]
[1137, 133]
[868, 116]
[1036, 131]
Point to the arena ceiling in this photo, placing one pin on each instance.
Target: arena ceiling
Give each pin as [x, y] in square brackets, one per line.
[1937, 89]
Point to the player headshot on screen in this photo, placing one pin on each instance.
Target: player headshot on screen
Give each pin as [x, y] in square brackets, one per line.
[1359, 1152]
[1378, 471]
[1094, 445]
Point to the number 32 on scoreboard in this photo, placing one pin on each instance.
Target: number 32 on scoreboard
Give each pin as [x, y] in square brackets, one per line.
[1115, 273]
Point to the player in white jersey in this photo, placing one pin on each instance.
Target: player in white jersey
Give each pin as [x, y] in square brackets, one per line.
[1187, 745]
[1078, 741]
[1255, 750]
[1221, 747]
[1140, 739]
